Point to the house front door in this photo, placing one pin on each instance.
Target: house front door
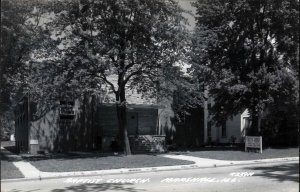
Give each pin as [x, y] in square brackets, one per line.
[132, 123]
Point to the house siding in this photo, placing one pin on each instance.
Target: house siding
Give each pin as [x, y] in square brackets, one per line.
[45, 130]
[87, 130]
[146, 124]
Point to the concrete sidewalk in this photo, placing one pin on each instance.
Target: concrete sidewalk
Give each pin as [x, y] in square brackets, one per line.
[31, 173]
[205, 162]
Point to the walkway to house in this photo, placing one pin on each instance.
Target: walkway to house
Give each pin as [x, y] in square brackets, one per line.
[205, 162]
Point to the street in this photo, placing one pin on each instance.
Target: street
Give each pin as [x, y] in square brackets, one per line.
[283, 176]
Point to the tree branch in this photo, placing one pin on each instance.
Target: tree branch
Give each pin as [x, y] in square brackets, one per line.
[103, 77]
[131, 75]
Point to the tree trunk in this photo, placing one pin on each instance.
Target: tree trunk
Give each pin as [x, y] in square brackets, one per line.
[121, 99]
[122, 121]
[259, 122]
[256, 122]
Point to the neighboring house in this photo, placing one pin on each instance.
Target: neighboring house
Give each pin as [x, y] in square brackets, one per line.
[197, 129]
[233, 130]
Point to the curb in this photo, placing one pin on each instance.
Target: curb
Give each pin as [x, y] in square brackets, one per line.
[55, 175]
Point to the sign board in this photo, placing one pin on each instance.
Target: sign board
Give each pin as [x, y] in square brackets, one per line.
[253, 142]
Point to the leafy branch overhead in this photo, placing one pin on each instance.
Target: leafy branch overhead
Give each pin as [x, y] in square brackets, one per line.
[251, 50]
[132, 39]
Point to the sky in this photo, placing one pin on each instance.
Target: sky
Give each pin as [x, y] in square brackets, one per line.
[186, 5]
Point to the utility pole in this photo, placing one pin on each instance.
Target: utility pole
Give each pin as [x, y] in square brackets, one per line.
[205, 110]
[28, 119]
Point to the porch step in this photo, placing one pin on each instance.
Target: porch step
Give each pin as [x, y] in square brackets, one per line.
[147, 144]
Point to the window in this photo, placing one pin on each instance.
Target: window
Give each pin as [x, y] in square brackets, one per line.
[247, 122]
[224, 129]
[247, 125]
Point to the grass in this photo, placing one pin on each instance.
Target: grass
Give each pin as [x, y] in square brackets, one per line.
[238, 155]
[8, 169]
[103, 163]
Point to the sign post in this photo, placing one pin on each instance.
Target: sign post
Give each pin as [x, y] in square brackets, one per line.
[253, 142]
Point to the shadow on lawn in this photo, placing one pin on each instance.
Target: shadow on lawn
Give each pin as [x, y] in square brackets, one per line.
[209, 148]
[6, 156]
[11, 149]
[10, 146]
[64, 156]
[100, 187]
[289, 172]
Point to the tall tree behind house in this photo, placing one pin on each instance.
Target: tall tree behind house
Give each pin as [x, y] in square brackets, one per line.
[250, 49]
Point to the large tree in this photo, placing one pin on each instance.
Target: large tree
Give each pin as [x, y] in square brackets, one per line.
[250, 49]
[18, 39]
[124, 44]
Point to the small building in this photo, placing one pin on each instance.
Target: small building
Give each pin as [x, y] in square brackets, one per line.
[85, 124]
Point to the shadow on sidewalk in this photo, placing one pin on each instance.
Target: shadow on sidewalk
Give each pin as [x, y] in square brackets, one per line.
[288, 172]
[128, 187]
[100, 187]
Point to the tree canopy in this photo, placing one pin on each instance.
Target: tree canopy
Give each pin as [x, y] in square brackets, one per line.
[250, 49]
[18, 39]
[124, 44]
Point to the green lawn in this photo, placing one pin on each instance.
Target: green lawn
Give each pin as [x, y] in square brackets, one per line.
[8, 169]
[103, 163]
[241, 155]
